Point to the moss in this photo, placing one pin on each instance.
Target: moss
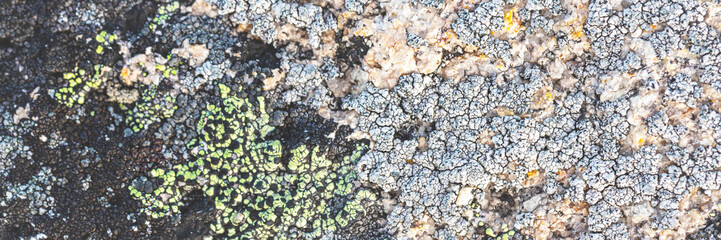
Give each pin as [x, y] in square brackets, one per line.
[256, 194]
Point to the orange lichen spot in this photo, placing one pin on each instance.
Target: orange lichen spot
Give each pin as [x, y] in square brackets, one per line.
[533, 173]
[125, 72]
[579, 206]
[548, 96]
[508, 18]
[578, 34]
[363, 32]
[652, 28]
[410, 161]
[513, 24]
[449, 34]
[416, 225]
[641, 141]
[125, 75]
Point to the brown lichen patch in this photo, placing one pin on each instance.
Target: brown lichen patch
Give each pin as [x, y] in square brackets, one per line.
[349, 118]
[289, 33]
[333, 5]
[423, 228]
[143, 68]
[195, 53]
[119, 94]
[714, 15]
[468, 64]
[533, 178]
[636, 137]
[542, 98]
[692, 214]
[485, 137]
[243, 27]
[21, 113]
[328, 46]
[615, 86]
[344, 18]
[504, 111]
[201, 8]
[271, 82]
[389, 56]
[422, 144]
[558, 220]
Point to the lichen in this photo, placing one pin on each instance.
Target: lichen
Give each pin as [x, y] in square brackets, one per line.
[257, 195]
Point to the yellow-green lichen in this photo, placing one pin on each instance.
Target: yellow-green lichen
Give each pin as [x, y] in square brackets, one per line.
[255, 193]
[104, 39]
[152, 107]
[79, 85]
[164, 13]
[488, 232]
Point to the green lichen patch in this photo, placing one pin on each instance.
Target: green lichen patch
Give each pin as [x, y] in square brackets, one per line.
[255, 193]
[79, 84]
[164, 13]
[152, 107]
[104, 39]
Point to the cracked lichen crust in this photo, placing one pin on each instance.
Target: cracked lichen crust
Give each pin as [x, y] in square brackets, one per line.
[257, 194]
[442, 145]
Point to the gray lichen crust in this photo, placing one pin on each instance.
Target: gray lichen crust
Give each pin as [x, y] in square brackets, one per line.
[580, 119]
